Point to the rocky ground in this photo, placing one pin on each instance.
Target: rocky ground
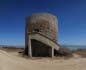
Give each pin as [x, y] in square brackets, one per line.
[12, 61]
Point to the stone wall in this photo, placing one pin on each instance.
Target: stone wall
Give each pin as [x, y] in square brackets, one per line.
[43, 22]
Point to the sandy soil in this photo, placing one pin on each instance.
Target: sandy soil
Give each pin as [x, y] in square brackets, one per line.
[11, 61]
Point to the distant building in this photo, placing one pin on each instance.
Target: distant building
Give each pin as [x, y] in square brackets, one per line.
[41, 35]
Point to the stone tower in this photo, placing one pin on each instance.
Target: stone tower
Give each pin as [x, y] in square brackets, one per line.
[41, 35]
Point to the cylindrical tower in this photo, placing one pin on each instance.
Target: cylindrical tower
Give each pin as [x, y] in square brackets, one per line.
[44, 23]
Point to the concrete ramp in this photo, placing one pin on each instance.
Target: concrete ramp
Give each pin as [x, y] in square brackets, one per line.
[44, 39]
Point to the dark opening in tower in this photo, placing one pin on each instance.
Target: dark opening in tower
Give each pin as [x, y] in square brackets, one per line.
[39, 49]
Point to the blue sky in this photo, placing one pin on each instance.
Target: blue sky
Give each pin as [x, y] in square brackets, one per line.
[71, 18]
